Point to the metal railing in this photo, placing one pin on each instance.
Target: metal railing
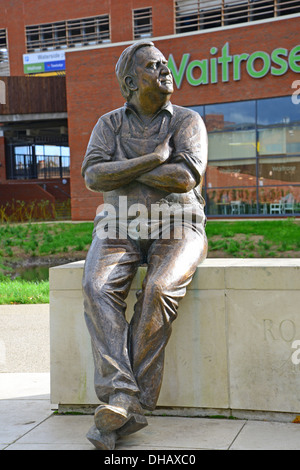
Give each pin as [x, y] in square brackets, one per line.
[142, 23]
[193, 15]
[70, 33]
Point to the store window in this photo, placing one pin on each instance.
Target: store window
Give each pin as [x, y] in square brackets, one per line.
[230, 174]
[279, 200]
[226, 116]
[253, 158]
[4, 60]
[275, 111]
[229, 145]
[199, 110]
[231, 128]
[279, 170]
[272, 141]
[71, 33]
[142, 23]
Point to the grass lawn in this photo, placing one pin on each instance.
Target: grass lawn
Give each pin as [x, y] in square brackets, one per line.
[29, 244]
[22, 292]
[42, 239]
[37, 243]
[254, 239]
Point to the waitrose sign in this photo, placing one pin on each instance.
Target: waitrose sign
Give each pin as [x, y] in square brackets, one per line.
[224, 67]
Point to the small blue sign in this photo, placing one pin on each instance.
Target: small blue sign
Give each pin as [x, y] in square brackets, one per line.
[55, 66]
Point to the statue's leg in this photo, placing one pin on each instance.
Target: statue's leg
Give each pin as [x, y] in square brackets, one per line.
[109, 269]
[171, 265]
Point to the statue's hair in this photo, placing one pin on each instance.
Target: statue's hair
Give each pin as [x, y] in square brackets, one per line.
[125, 65]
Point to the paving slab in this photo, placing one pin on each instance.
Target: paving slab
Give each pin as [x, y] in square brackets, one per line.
[24, 404]
[184, 434]
[162, 433]
[259, 435]
[19, 417]
[27, 421]
[58, 430]
[24, 338]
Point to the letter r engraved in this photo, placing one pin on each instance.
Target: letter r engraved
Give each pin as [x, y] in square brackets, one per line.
[268, 329]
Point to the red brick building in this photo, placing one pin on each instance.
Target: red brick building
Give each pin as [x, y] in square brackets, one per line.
[237, 62]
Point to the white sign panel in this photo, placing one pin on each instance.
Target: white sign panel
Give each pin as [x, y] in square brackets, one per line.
[42, 57]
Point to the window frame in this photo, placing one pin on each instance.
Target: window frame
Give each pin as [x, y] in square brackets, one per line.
[30, 167]
[68, 40]
[139, 34]
[265, 186]
[195, 15]
[4, 53]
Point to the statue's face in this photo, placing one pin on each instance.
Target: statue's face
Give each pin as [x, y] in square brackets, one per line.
[152, 72]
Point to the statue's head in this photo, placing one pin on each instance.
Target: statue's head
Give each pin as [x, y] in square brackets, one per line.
[142, 65]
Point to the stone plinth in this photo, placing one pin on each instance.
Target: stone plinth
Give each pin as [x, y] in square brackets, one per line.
[231, 346]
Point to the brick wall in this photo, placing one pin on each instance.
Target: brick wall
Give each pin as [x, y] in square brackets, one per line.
[24, 191]
[93, 89]
[17, 14]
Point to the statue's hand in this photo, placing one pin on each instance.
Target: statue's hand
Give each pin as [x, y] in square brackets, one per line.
[163, 150]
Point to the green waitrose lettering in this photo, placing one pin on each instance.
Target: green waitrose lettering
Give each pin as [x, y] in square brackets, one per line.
[228, 67]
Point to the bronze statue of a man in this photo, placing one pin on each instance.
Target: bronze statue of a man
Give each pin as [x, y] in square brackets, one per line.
[148, 152]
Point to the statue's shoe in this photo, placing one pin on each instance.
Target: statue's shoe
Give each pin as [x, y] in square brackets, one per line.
[123, 413]
[134, 424]
[109, 418]
[101, 440]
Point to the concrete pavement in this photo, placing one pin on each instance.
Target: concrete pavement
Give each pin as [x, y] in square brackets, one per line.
[27, 421]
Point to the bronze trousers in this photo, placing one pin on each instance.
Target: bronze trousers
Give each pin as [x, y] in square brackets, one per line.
[129, 357]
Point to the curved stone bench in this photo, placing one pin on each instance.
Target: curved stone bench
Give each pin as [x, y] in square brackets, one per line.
[231, 347]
